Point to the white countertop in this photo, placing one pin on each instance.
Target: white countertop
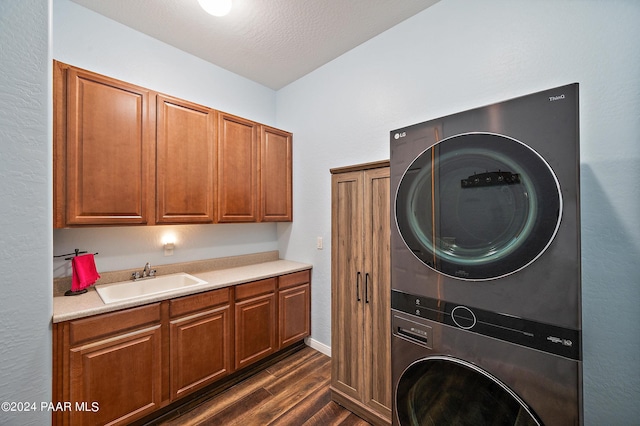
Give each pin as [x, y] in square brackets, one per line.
[72, 307]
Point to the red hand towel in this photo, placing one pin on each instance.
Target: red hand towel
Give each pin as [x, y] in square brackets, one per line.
[84, 272]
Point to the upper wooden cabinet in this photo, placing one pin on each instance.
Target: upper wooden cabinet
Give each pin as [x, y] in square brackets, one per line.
[103, 154]
[184, 168]
[276, 181]
[125, 155]
[237, 169]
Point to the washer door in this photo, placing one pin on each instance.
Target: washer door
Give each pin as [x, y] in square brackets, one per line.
[443, 390]
[478, 206]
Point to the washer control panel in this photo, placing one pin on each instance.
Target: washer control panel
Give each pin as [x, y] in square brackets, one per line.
[415, 332]
[463, 317]
[549, 338]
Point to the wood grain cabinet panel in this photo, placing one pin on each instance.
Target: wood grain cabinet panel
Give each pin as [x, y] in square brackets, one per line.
[294, 310]
[294, 279]
[184, 168]
[201, 350]
[107, 149]
[276, 181]
[185, 305]
[347, 314]
[360, 283]
[255, 327]
[135, 361]
[126, 155]
[237, 169]
[112, 323]
[104, 371]
[377, 306]
[99, 357]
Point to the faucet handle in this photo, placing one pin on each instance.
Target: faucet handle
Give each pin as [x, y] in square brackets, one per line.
[135, 275]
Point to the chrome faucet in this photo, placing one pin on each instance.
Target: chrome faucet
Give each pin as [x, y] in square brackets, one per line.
[147, 270]
[147, 273]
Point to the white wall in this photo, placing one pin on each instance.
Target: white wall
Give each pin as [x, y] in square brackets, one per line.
[88, 40]
[461, 54]
[25, 209]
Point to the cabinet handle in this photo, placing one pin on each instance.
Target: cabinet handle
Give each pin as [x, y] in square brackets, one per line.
[366, 287]
[358, 287]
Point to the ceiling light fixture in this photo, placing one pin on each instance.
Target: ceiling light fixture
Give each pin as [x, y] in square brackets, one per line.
[216, 7]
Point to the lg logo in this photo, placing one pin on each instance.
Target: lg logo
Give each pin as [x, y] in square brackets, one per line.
[400, 135]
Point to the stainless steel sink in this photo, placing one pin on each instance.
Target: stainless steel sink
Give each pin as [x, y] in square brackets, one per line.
[118, 292]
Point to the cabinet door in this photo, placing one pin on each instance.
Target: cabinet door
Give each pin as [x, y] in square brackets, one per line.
[275, 175]
[377, 324]
[184, 170]
[294, 311]
[255, 322]
[117, 379]
[237, 169]
[200, 350]
[347, 291]
[108, 151]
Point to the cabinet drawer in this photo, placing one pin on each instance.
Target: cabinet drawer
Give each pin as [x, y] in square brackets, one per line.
[290, 280]
[255, 288]
[86, 329]
[197, 302]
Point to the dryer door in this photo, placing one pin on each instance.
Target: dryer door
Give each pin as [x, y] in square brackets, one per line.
[442, 390]
[478, 206]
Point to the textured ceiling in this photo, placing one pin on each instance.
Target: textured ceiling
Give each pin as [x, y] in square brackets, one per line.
[272, 42]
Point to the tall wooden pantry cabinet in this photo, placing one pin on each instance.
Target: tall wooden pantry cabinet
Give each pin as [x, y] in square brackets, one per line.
[360, 291]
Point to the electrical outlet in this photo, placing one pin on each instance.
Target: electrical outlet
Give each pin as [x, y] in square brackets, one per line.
[319, 243]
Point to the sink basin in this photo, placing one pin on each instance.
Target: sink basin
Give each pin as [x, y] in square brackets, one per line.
[118, 292]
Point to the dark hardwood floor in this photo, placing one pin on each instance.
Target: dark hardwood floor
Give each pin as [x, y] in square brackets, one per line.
[294, 391]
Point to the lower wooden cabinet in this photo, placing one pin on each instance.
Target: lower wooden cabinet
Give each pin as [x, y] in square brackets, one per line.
[112, 366]
[201, 341]
[128, 364]
[255, 321]
[294, 308]
[118, 367]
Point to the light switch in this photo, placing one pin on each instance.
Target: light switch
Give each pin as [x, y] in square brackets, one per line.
[319, 243]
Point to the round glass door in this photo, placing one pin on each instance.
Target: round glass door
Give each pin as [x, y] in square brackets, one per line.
[478, 206]
[447, 391]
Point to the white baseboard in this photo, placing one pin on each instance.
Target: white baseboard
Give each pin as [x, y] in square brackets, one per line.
[320, 347]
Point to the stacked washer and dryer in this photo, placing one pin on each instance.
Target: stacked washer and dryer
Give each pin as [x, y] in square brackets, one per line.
[485, 275]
